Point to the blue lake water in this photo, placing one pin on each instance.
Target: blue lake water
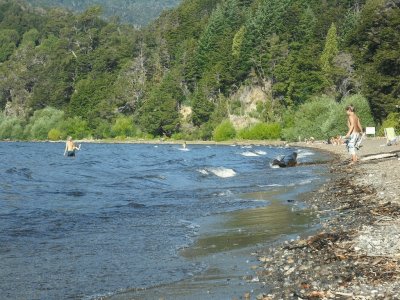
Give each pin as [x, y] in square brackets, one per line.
[118, 215]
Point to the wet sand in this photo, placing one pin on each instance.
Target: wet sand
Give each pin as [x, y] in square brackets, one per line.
[226, 243]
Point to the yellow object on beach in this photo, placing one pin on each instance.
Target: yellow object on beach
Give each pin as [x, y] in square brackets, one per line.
[390, 135]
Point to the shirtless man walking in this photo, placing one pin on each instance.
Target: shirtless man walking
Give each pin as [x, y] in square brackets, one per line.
[354, 133]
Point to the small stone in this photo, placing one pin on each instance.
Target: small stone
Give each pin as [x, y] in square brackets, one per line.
[286, 268]
[290, 271]
[264, 259]
[303, 268]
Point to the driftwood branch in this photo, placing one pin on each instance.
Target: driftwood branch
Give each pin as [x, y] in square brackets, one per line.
[380, 156]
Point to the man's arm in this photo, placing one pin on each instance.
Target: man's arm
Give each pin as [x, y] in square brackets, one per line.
[351, 127]
[360, 126]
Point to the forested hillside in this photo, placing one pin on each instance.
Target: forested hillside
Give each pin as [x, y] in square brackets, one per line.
[137, 12]
[250, 69]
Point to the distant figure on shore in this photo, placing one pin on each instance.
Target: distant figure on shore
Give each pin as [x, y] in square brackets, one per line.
[286, 161]
[70, 147]
[336, 140]
[311, 140]
[354, 134]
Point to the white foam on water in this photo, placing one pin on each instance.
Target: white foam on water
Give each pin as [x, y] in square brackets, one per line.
[304, 153]
[189, 224]
[302, 182]
[306, 181]
[183, 149]
[260, 152]
[222, 172]
[102, 296]
[223, 194]
[274, 166]
[247, 147]
[271, 185]
[203, 171]
[249, 154]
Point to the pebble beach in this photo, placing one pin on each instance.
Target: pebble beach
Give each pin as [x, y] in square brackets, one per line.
[355, 251]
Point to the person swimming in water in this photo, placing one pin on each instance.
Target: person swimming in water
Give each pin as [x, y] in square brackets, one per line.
[70, 147]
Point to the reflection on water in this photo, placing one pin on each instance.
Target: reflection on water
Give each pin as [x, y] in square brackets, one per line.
[250, 227]
[225, 243]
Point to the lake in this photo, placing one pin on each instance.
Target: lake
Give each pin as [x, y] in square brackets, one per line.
[120, 217]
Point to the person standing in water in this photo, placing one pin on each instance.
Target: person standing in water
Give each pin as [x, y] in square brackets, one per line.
[70, 147]
[354, 133]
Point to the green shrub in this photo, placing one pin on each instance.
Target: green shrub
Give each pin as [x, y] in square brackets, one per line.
[323, 118]
[76, 127]
[102, 130]
[42, 122]
[123, 127]
[54, 134]
[178, 136]
[224, 131]
[11, 128]
[261, 131]
[308, 121]
[392, 120]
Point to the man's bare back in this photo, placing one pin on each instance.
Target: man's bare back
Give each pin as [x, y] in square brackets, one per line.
[354, 124]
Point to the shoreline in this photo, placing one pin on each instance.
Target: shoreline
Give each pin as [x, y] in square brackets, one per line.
[353, 251]
[231, 261]
[226, 251]
[161, 142]
[356, 252]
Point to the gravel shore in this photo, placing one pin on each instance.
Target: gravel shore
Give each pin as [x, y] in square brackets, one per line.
[355, 253]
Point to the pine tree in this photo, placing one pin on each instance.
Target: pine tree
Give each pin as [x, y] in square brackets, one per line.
[331, 49]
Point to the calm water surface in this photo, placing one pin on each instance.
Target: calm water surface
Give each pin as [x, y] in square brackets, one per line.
[119, 217]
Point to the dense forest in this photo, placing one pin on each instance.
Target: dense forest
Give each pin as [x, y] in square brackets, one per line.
[208, 69]
[136, 12]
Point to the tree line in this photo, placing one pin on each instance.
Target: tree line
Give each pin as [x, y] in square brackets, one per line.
[185, 74]
[136, 12]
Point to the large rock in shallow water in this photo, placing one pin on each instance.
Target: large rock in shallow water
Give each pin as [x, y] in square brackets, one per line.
[286, 161]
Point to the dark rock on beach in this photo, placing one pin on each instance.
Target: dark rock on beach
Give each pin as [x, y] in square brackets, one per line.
[286, 161]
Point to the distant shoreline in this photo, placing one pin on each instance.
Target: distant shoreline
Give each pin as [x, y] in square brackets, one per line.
[160, 142]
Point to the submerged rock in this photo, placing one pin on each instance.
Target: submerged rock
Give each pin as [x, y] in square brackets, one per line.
[286, 161]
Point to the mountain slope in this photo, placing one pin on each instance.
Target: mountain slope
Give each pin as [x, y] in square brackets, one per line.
[289, 63]
[138, 12]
